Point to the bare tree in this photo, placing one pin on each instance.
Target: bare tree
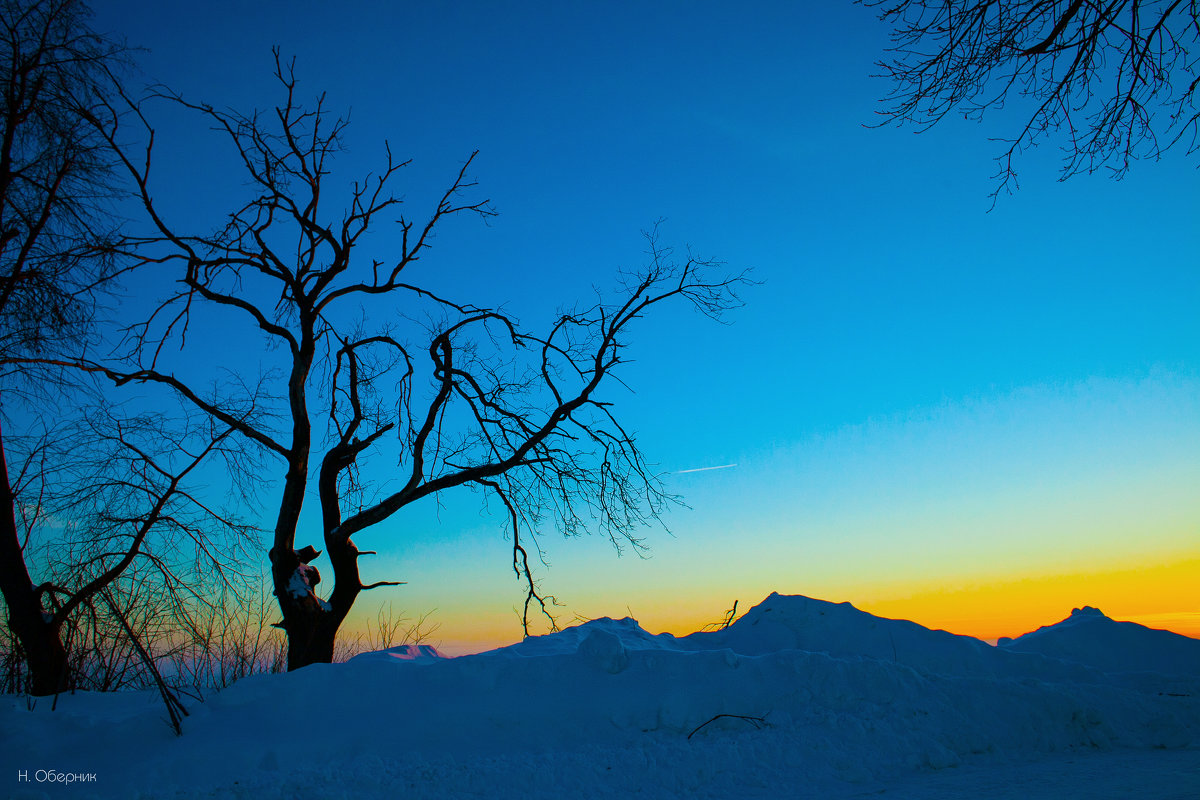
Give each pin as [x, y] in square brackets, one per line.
[54, 181]
[1114, 80]
[117, 521]
[374, 364]
[104, 507]
[229, 636]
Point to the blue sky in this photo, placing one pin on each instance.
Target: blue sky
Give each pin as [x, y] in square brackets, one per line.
[920, 393]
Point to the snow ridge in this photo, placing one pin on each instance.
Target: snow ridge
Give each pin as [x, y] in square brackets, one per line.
[1089, 637]
[841, 702]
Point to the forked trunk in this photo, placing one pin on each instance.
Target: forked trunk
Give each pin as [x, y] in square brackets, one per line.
[311, 623]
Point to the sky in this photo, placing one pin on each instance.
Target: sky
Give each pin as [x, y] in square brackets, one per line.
[973, 417]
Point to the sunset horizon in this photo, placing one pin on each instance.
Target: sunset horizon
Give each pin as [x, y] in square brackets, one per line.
[610, 400]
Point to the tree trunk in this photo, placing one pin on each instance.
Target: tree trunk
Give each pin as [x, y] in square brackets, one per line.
[314, 645]
[39, 637]
[308, 621]
[311, 623]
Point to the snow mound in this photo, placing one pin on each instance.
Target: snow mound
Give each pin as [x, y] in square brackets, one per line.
[839, 629]
[797, 693]
[404, 652]
[795, 622]
[627, 631]
[1089, 637]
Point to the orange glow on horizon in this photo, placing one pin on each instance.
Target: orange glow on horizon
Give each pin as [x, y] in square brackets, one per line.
[1159, 596]
[1155, 595]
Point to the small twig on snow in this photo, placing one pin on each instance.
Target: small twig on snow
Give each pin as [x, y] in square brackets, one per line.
[758, 722]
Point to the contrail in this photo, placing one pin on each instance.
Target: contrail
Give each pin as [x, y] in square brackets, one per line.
[705, 469]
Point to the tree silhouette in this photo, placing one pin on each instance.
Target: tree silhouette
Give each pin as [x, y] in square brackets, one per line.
[1113, 80]
[54, 176]
[93, 500]
[113, 505]
[371, 363]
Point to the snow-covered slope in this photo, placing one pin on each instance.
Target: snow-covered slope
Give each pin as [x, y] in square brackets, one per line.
[423, 653]
[798, 698]
[841, 630]
[1089, 637]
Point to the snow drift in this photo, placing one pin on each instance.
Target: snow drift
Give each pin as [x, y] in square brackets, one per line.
[799, 697]
[1089, 637]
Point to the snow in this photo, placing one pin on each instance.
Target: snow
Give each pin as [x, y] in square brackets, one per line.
[415, 653]
[301, 583]
[798, 698]
[1092, 638]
